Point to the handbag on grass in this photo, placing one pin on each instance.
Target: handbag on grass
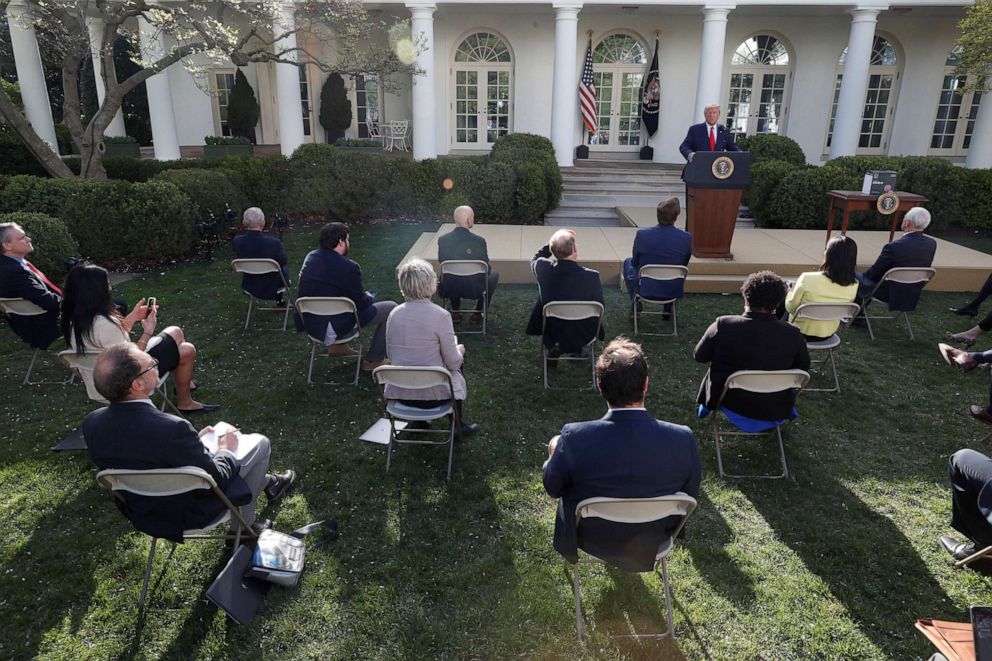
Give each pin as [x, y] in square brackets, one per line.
[278, 558]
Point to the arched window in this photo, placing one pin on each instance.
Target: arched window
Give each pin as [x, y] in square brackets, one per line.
[619, 63]
[482, 76]
[880, 98]
[956, 113]
[760, 71]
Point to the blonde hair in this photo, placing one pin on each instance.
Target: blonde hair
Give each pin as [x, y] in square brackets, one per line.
[417, 279]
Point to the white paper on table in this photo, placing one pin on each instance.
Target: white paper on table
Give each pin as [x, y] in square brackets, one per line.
[866, 183]
[379, 432]
[246, 442]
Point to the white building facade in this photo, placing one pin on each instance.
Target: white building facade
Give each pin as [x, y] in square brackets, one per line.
[838, 78]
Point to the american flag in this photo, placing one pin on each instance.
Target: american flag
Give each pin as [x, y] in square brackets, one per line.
[587, 93]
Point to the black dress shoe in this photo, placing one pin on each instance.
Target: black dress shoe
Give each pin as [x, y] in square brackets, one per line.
[469, 429]
[958, 550]
[281, 484]
[965, 311]
[206, 408]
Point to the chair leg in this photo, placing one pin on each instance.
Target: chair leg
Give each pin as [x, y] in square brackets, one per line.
[313, 353]
[635, 314]
[544, 362]
[909, 325]
[977, 555]
[285, 318]
[251, 301]
[389, 448]
[716, 441]
[675, 319]
[148, 571]
[781, 453]
[592, 367]
[455, 425]
[833, 366]
[27, 377]
[668, 598]
[579, 626]
[871, 333]
[358, 365]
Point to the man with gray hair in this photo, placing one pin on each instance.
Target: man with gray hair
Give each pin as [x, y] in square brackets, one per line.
[131, 433]
[460, 243]
[19, 278]
[254, 244]
[560, 278]
[912, 249]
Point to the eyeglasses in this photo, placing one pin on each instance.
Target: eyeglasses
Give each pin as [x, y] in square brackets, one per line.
[140, 374]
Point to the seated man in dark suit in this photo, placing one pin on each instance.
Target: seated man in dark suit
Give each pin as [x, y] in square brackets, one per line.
[971, 503]
[625, 454]
[562, 279]
[662, 244]
[708, 135]
[460, 243]
[132, 433]
[913, 248]
[254, 244]
[19, 278]
[327, 271]
[755, 340]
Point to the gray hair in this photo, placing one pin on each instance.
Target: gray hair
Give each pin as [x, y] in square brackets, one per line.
[254, 217]
[462, 214]
[562, 244]
[918, 217]
[711, 105]
[417, 279]
[5, 231]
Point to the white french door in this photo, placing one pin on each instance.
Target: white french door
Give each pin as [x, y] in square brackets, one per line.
[618, 109]
[757, 102]
[483, 106]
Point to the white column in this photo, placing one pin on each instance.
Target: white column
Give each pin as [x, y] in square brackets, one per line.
[424, 116]
[980, 149]
[565, 86]
[288, 82]
[160, 109]
[854, 84]
[30, 74]
[96, 27]
[710, 77]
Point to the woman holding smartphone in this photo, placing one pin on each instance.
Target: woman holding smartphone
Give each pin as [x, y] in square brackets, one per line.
[90, 324]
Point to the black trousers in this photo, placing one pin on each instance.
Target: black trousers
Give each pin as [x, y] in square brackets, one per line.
[970, 472]
[491, 282]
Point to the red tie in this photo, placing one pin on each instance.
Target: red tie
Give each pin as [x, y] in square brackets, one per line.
[44, 278]
[712, 140]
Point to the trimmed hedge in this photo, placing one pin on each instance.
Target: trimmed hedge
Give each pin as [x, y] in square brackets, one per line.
[38, 194]
[765, 178]
[53, 242]
[799, 200]
[767, 147]
[210, 190]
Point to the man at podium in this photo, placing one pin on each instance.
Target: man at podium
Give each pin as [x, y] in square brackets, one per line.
[708, 135]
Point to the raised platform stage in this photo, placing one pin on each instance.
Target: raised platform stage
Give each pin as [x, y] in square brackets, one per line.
[787, 252]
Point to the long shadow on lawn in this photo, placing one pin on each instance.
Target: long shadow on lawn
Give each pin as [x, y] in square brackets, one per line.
[861, 555]
[706, 536]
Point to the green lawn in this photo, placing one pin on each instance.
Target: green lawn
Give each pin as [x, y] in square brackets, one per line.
[835, 563]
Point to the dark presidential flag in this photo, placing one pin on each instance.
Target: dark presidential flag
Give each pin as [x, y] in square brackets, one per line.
[651, 95]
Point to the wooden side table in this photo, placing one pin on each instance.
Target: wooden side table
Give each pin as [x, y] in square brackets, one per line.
[846, 201]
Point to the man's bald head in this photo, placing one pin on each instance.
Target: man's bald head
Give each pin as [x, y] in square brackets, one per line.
[464, 216]
[562, 244]
[116, 369]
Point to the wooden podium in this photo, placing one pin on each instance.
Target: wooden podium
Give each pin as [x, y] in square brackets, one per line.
[713, 192]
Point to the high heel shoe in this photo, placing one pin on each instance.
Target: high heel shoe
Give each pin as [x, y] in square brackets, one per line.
[965, 311]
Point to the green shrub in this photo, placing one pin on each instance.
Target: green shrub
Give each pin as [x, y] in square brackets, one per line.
[530, 196]
[861, 164]
[799, 200]
[520, 149]
[450, 201]
[265, 181]
[765, 178]
[53, 243]
[978, 213]
[210, 190]
[415, 188]
[943, 184]
[14, 156]
[96, 219]
[38, 194]
[161, 221]
[360, 142]
[768, 147]
[487, 187]
[120, 140]
[225, 140]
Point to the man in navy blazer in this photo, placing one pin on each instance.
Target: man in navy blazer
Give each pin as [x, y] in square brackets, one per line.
[913, 248]
[708, 136]
[21, 279]
[662, 244]
[327, 271]
[625, 454]
[562, 279]
[254, 244]
[132, 433]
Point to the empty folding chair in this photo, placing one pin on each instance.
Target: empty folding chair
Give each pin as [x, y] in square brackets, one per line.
[82, 364]
[756, 381]
[842, 312]
[467, 268]
[658, 273]
[634, 511]
[256, 266]
[418, 378]
[896, 277]
[326, 306]
[571, 311]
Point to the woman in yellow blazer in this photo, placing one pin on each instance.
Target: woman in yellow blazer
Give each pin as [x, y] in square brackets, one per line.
[833, 283]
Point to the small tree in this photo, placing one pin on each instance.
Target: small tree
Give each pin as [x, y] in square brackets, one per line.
[242, 108]
[335, 108]
[975, 42]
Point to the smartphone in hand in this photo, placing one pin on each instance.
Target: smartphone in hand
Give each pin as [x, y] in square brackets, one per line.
[150, 305]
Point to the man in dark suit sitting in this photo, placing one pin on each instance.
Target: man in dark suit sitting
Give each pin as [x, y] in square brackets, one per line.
[460, 243]
[625, 454]
[562, 279]
[132, 433]
[254, 244]
[661, 244]
[913, 248]
[708, 135]
[19, 278]
[970, 473]
[755, 340]
[327, 271]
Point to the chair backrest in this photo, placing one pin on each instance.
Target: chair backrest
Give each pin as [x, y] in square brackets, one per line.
[826, 311]
[909, 275]
[373, 128]
[636, 510]
[83, 363]
[573, 310]
[326, 306]
[663, 272]
[20, 306]
[412, 378]
[761, 381]
[157, 482]
[256, 266]
[464, 267]
[398, 127]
